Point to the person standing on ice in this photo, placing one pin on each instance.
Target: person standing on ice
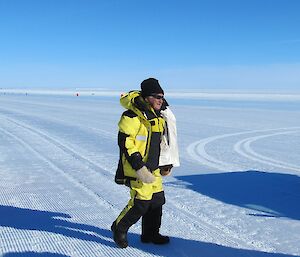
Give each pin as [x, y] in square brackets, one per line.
[143, 134]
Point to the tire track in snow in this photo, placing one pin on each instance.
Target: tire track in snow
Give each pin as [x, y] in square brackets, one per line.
[99, 132]
[185, 216]
[67, 149]
[101, 201]
[243, 147]
[103, 175]
[212, 233]
[208, 230]
[198, 152]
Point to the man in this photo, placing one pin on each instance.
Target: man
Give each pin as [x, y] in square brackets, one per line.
[140, 130]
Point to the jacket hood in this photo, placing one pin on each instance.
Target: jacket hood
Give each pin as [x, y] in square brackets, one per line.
[134, 101]
[128, 100]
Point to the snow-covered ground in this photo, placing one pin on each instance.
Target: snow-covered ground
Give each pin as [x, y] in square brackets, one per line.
[237, 192]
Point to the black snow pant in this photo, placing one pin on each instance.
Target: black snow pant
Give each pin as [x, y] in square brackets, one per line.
[149, 210]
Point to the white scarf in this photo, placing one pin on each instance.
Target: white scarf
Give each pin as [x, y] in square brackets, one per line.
[169, 148]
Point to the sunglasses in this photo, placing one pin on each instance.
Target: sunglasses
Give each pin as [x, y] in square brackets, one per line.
[156, 96]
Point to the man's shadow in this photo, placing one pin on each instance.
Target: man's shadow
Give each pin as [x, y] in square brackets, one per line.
[54, 222]
[180, 247]
[266, 194]
[34, 254]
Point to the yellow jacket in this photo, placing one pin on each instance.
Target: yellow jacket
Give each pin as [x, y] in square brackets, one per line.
[140, 131]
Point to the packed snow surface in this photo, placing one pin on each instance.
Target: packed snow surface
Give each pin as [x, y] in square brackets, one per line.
[236, 193]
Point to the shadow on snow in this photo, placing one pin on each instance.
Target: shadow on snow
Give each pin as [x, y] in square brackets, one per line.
[266, 194]
[54, 222]
[26, 219]
[34, 254]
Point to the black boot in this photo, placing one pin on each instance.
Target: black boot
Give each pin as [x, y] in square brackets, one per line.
[119, 237]
[139, 208]
[151, 223]
[155, 239]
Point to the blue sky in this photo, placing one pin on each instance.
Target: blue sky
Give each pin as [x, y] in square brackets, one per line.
[225, 44]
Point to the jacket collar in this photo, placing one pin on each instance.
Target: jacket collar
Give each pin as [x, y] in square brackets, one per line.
[135, 102]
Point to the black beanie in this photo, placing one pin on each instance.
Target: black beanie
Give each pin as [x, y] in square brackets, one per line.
[151, 86]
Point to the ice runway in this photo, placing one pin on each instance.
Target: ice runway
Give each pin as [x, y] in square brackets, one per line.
[235, 194]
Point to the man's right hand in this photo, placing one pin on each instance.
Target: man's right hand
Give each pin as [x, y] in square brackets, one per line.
[144, 175]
